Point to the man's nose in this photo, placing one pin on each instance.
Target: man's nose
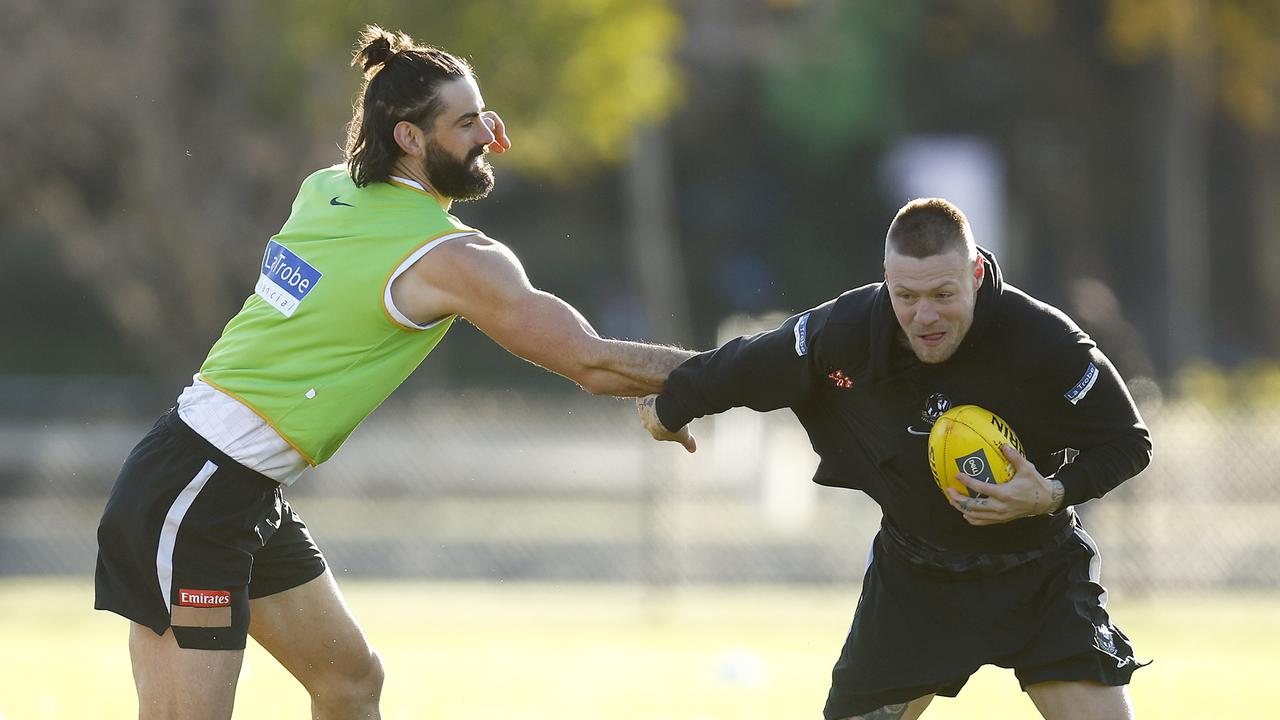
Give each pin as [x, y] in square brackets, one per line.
[486, 132]
[926, 314]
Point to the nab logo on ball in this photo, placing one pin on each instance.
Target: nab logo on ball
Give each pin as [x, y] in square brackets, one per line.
[967, 439]
[286, 279]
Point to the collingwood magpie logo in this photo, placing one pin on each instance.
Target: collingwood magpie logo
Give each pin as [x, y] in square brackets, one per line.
[1104, 640]
[933, 409]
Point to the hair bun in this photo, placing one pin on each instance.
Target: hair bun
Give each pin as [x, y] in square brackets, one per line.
[377, 48]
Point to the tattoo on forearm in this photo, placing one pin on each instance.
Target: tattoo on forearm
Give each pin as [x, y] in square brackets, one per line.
[1055, 502]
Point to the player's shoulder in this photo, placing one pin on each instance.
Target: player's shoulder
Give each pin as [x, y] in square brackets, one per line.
[856, 306]
[1033, 314]
[853, 316]
[334, 176]
[1036, 326]
[323, 184]
[841, 328]
[472, 259]
[849, 308]
[468, 242]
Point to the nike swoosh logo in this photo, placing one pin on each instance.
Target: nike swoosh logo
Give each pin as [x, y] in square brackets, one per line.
[336, 201]
[914, 431]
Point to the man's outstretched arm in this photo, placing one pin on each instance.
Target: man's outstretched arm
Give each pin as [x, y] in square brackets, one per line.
[767, 371]
[483, 281]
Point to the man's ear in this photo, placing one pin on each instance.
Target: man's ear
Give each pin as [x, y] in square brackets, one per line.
[410, 138]
[979, 271]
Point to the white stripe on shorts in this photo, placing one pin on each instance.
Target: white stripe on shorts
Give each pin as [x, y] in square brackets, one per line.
[169, 532]
[1095, 563]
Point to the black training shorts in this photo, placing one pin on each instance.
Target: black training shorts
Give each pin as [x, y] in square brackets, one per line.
[189, 536]
[918, 631]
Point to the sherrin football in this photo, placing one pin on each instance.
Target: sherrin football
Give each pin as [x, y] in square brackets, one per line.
[967, 439]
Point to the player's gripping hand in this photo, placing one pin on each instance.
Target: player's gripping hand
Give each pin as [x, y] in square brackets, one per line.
[1027, 493]
[647, 407]
[501, 142]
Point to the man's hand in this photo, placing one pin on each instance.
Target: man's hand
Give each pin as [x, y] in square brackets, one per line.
[647, 407]
[501, 142]
[1026, 494]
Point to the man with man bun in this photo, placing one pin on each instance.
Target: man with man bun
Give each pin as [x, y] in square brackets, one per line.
[197, 545]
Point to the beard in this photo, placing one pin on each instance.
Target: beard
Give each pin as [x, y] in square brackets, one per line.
[459, 180]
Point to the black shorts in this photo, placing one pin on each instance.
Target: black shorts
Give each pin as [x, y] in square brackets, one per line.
[918, 632]
[189, 536]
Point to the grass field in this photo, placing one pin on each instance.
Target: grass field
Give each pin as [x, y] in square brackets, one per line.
[619, 652]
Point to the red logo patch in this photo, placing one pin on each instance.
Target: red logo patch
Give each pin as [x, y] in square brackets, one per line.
[841, 380]
[204, 598]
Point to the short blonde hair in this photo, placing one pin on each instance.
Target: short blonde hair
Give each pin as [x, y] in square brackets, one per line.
[926, 227]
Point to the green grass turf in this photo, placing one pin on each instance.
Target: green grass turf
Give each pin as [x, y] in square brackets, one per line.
[620, 652]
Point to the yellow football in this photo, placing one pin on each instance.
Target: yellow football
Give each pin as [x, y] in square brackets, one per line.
[967, 439]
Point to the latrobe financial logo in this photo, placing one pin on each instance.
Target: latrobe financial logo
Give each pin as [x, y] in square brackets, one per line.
[1082, 388]
[286, 278]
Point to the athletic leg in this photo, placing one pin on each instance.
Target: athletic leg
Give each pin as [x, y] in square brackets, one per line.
[176, 682]
[1082, 700]
[170, 560]
[313, 634]
[901, 711]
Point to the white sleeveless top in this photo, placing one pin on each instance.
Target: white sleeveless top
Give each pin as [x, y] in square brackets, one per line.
[239, 432]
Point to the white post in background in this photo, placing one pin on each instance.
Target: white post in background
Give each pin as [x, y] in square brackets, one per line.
[768, 452]
[967, 171]
[1184, 204]
[653, 249]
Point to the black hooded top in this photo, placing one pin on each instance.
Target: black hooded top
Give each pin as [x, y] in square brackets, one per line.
[868, 403]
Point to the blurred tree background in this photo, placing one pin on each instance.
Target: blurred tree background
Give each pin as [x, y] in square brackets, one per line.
[677, 165]
[674, 163]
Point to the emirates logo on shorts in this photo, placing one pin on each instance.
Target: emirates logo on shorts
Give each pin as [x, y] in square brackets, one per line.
[204, 598]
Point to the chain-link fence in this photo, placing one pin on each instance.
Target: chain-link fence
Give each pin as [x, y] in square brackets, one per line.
[503, 485]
